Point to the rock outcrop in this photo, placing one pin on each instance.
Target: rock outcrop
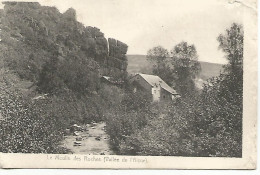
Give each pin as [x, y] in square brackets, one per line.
[44, 30]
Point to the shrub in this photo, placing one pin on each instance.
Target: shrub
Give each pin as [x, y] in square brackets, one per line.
[126, 118]
[25, 129]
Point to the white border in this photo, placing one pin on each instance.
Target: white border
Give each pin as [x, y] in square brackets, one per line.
[249, 126]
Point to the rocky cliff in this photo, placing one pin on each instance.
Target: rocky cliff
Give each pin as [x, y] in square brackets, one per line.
[32, 34]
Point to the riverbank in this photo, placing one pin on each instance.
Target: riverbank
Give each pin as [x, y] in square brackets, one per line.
[95, 141]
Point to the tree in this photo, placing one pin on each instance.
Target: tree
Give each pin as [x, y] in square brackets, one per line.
[186, 67]
[79, 74]
[210, 124]
[158, 57]
[49, 81]
[231, 43]
[223, 97]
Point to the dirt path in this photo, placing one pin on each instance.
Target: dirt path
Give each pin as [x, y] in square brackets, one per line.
[89, 144]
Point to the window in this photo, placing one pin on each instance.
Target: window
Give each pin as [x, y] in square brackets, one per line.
[154, 91]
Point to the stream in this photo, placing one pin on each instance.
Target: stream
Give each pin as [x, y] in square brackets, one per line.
[95, 141]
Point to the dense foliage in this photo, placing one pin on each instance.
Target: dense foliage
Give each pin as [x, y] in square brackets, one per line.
[186, 67]
[158, 56]
[61, 61]
[75, 74]
[179, 68]
[34, 36]
[205, 124]
[130, 115]
[27, 128]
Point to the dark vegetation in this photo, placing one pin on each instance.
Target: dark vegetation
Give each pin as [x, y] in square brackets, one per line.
[50, 78]
[55, 55]
[201, 123]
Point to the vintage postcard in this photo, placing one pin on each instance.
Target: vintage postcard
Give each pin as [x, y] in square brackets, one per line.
[128, 84]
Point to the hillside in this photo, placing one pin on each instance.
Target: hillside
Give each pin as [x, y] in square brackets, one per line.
[32, 35]
[49, 75]
[43, 51]
[139, 63]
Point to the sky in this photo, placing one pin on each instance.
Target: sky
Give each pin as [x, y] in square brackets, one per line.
[143, 24]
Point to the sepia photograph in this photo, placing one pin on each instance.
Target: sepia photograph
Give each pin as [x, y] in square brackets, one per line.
[134, 81]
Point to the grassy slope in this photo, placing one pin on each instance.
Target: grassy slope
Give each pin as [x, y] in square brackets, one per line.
[139, 63]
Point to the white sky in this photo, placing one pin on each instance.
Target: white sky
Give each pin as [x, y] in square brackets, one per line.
[143, 24]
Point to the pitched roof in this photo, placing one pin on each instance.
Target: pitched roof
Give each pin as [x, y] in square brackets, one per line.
[154, 80]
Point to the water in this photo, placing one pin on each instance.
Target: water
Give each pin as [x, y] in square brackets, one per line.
[89, 145]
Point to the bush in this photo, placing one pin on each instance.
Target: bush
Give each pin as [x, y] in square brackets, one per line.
[25, 128]
[207, 124]
[129, 116]
[204, 126]
[37, 126]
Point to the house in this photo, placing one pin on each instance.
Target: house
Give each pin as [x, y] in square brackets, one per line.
[154, 85]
